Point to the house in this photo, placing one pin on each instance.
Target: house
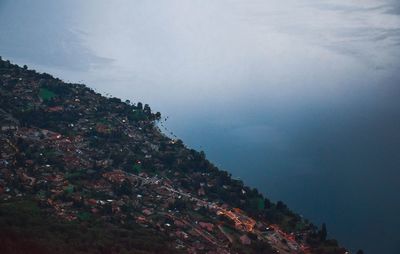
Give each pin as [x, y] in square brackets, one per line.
[91, 202]
[55, 109]
[181, 234]
[147, 212]
[201, 191]
[7, 122]
[208, 226]
[101, 128]
[8, 126]
[179, 223]
[141, 219]
[245, 240]
[116, 176]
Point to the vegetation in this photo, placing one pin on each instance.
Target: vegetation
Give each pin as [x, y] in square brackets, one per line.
[25, 228]
[82, 148]
[46, 94]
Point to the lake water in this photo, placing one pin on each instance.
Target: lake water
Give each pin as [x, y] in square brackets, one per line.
[297, 98]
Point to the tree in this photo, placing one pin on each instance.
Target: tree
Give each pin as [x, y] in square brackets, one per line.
[139, 105]
[323, 232]
[147, 108]
[360, 252]
[267, 203]
[281, 206]
[158, 116]
[125, 188]
[202, 155]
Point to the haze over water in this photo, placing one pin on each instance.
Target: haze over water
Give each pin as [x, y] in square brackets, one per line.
[297, 98]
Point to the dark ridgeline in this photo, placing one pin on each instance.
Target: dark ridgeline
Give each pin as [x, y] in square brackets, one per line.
[82, 173]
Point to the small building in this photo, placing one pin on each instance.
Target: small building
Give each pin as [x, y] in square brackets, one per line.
[208, 226]
[7, 122]
[245, 240]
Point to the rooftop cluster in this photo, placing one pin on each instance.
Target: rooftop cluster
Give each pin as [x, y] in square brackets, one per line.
[85, 157]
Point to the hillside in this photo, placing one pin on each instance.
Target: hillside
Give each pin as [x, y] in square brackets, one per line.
[83, 173]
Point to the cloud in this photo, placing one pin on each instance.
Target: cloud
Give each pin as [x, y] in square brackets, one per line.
[50, 39]
[348, 7]
[363, 31]
[275, 51]
[393, 8]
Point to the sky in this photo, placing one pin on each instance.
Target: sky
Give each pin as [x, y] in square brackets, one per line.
[299, 98]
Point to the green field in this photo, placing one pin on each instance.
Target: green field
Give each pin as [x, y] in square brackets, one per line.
[46, 94]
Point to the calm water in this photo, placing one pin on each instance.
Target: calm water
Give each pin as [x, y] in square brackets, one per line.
[297, 98]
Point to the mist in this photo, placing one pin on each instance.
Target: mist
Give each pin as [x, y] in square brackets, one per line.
[297, 98]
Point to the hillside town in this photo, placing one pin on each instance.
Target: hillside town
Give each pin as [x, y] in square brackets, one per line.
[83, 157]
